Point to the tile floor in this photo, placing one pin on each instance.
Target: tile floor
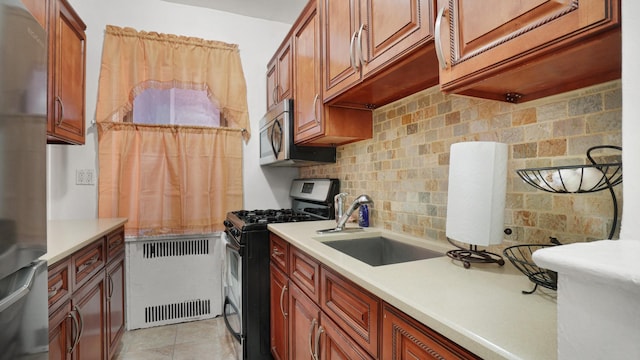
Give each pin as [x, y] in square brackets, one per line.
[197, 340]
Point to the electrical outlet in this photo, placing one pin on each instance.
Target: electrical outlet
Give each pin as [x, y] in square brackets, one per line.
[85, 177]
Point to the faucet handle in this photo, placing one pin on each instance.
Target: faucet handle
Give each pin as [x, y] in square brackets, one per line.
[338, 202]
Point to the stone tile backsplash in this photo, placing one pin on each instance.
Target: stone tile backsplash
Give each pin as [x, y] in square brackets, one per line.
[404, 168]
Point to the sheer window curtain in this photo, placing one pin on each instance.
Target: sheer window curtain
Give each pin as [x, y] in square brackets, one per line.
[169, 179]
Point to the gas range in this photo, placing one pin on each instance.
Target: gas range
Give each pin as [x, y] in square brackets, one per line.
[246, 275]
[312, 199]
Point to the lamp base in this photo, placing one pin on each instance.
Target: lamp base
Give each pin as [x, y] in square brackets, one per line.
[473, 255]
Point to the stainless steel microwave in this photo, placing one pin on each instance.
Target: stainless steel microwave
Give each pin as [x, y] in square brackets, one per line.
[277, 147]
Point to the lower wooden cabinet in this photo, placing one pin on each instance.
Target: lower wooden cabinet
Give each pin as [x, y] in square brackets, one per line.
[87, 319]
[60, 338]
[115, 304]
[279, 308]
[406, 339]
[318, 314]
[88, 306]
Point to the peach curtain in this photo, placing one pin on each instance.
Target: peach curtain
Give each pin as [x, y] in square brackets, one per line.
[169, 179]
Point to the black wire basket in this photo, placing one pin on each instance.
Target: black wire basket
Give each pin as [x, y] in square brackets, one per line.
[520, 257]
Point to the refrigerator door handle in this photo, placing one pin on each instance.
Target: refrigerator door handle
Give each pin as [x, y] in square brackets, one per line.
[26, 283]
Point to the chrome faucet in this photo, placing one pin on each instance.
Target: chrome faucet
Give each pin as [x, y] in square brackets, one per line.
[338, 202]
[360, 200]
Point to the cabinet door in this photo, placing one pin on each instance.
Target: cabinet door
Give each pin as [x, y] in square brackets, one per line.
[393, 27]
[405, 339]
[340, 25]
[60, 332]
[306, 67]
[279, 308]
[304, 317]
[526, 47]
[67, 77]
[353, 308]
[285, 76]
[115, 303]
[88, 304]
[334, 344]
[272, 84]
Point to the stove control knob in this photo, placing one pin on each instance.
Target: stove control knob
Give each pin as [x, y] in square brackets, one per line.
[227, 224]
[235, 232]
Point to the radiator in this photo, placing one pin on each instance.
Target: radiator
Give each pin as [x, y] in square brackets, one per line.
[173, 279]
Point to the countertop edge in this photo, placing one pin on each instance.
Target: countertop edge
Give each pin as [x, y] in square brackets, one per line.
[64, 237]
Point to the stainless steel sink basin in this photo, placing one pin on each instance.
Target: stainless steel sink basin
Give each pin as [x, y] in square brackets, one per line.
[379, 250]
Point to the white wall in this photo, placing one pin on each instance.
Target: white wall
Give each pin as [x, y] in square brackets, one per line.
[630, 226]
[257, 40]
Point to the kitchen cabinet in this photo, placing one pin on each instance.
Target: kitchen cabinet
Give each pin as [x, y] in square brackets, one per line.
[520, 51]
[86, 300]
[328, 316]
[279, 76]
[88, 307]
[308, 325]
[59, 329]
[314, 122]
[66, 85]
[115, 303]
[279, 307]
[387, 43]
[404, 338]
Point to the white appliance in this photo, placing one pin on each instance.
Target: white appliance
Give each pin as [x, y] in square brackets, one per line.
[173, 279]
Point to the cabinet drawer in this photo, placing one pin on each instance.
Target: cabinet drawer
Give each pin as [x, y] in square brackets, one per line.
[305, 272]
[279, 252]
[87, 262]
[405, 338]
[58, 284]
[115, 244]
[354, 309]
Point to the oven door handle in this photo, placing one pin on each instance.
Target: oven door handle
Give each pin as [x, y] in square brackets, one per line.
[235, 334]
[232, 244]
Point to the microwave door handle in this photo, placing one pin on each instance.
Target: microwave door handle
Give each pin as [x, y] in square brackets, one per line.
[276, 151]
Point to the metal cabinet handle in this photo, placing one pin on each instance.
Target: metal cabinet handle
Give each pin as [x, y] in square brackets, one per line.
[275, 95]
[315, 109]
[276, 252]
[313, 325]
[284, 289]
[438, 41]
[61, 117]
[79, 325]
[110, 287]
[359, 48]
[352, 51]
[320, 331]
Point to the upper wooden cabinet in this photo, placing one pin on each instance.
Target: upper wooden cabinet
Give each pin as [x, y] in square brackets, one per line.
[368, 39]
[524, 50]
[66, 89]
[315, 122]
[279, 76]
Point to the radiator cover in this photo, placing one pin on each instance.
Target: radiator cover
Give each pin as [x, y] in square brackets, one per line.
[173, 279]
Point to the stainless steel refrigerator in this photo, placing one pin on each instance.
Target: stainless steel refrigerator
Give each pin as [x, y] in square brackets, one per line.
[23, 216]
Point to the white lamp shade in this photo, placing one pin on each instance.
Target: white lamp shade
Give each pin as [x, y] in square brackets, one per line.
[477, 192]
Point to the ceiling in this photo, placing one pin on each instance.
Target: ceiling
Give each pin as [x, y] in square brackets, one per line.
[285, 11]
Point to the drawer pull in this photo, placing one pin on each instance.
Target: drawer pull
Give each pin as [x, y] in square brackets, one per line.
[94, 259]
[276, 252]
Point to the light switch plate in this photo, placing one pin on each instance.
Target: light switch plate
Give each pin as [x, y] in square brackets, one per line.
[85, 177]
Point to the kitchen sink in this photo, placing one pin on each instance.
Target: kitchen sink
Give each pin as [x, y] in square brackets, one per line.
[379, 250]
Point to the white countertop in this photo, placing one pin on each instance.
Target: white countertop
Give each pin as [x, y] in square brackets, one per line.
[481, 308]
[64, 237]
[614, 262]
